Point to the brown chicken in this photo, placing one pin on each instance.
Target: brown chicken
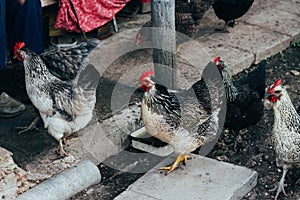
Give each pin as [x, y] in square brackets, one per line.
[286, 130]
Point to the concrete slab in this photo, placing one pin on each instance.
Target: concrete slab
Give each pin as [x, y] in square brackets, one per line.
[101, 140]
[258, 41]
[201, 178]
[277, 20]
[131, 195]
[259, 6]
[239, 59]
[291, 6]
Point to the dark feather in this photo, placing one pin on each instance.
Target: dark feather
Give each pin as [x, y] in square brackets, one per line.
[189, 14]
[247, 108]
[65, 63]
[228, 10]
[166, 104]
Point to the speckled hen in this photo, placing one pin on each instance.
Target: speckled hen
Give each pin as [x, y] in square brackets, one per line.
[64, 90]
[286, 130]
[184, 119]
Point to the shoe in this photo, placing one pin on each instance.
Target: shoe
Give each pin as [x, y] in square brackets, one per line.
[9, 107]
[104, 31]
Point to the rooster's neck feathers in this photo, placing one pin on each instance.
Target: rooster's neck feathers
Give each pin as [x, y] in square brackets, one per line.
[286, 113]
[160, 101]
[231, 90]
[34, 66]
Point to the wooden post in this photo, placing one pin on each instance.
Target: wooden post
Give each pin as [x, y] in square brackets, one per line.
[163, 17]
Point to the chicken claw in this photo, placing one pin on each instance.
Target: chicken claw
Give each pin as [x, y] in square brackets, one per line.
[280, 187]
[32, 126]
[62, 152]
[180, 158]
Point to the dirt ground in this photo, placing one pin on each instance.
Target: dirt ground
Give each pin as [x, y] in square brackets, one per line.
[254, 148]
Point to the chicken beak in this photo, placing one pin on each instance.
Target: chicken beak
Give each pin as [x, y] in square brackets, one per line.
[268, 95]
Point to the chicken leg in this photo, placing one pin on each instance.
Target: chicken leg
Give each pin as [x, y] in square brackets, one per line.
[281, 183]
[180, 158]
[32, 126]
[224, 29]
[62, 152]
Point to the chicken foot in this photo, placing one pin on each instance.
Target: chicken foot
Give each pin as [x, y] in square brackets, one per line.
[61, 142]
[281, 184]
[224, 29]
[32, 126]
[180, 158]
[236, 139]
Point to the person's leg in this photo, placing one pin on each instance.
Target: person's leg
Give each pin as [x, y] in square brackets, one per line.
[2, 35]
[24, 23]
[9, 107]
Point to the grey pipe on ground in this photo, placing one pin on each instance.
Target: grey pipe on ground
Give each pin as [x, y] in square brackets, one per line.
[65, 184]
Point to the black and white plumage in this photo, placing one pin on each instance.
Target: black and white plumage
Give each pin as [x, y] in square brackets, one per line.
[184, 119]
[189, 13]
[244, 97]
[229, 10]
[66, 62]
[286, 130]
[63, 90]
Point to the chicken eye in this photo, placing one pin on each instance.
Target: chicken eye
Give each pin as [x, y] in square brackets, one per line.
[277, 91]
[146, 81]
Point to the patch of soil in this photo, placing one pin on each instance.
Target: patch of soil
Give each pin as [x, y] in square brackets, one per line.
[254, 149]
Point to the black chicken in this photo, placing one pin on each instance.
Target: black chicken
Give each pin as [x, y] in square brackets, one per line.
[244, 97]
[229, 10]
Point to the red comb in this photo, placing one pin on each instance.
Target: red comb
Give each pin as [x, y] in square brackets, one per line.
[217, 59]
[18, 45]
[146, 74]
[271, 89]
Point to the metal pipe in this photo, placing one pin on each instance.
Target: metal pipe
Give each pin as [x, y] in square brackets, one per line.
[65, 184]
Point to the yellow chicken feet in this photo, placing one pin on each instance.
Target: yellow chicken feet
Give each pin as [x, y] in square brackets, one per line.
[32, 126]
[180, 158]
